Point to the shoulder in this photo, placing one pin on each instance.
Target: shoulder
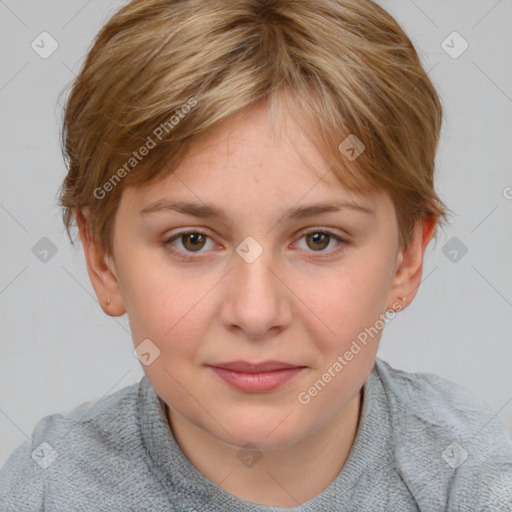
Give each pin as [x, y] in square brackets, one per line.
[447, 441]
[434, 400]
[406, 388]
[70, 438]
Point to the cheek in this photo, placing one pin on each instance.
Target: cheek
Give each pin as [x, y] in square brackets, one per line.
[169, 309]
[161, 312]
[350, 299]
[174, 320]
[351, 306]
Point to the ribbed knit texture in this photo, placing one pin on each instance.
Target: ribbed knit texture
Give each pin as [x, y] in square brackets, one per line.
[120, 455]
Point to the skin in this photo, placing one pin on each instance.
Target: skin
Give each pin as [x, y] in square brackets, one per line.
[301, 301]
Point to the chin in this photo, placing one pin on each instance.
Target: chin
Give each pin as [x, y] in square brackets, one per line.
[264, 431]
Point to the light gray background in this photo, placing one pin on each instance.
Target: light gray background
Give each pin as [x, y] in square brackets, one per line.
[58, 349]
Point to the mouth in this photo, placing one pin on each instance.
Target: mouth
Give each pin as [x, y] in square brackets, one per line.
[256, 377]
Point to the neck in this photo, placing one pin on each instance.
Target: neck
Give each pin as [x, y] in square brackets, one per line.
[284, 477]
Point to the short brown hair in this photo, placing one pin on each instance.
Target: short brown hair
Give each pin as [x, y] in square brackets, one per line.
[346, 64]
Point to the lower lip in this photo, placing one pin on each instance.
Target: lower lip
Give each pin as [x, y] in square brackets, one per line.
[257, 382]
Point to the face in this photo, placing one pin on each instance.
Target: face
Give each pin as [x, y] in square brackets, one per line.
[270, 282]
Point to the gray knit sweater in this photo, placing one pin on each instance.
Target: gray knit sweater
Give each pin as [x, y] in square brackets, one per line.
[423, 444]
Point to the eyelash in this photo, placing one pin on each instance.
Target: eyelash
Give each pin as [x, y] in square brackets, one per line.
[167, 244]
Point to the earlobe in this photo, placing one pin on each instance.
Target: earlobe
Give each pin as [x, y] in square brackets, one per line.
[103, 280]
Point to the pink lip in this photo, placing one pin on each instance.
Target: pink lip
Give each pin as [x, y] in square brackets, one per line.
[256, 377]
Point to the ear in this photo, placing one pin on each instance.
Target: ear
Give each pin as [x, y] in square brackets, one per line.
[100, 268]
[408, 274]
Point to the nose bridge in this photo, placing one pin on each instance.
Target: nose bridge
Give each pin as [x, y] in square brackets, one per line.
[258, 299]
[254, 272]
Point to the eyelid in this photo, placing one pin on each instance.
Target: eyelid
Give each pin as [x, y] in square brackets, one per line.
[327, 230]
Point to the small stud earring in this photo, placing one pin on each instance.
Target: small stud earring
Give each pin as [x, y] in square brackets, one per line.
[108, 302]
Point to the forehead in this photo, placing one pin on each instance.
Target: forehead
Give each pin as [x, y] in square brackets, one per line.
[252, 149]
[251, 163]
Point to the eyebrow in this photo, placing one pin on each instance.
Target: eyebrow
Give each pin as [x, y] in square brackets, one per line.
[204, 210]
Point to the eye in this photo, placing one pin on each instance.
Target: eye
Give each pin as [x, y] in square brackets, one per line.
[190, 241]
[318, 240]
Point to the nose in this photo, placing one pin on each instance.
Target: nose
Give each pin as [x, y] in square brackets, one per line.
[258, 298]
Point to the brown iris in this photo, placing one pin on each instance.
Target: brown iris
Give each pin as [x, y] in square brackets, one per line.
[193, 241]
[318, 239]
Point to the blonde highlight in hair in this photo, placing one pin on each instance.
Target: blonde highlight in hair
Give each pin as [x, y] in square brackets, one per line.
[346, 65]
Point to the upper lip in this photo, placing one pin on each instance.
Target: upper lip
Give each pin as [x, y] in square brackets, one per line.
[248, 367]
